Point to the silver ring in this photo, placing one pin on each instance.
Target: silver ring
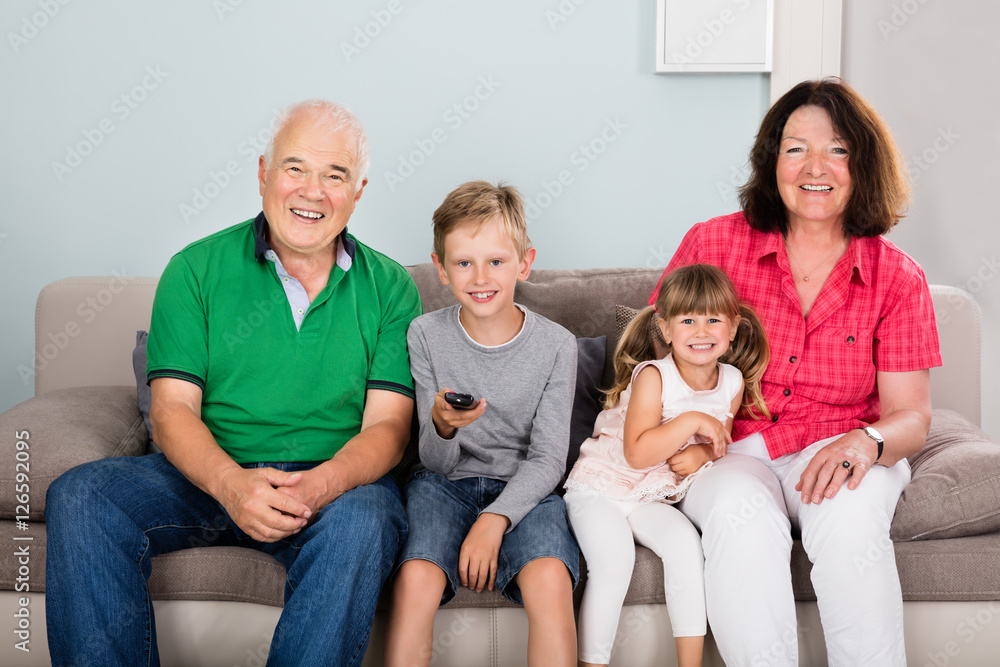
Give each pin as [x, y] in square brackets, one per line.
[846, 464]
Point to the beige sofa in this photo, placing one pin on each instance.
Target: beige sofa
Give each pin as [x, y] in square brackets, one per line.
[218, 606]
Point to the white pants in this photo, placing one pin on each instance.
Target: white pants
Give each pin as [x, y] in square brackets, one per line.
[607, 531]
[745, 505]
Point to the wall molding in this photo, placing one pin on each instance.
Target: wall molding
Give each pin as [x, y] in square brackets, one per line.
[807, 42]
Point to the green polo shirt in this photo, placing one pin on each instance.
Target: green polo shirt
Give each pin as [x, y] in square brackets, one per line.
[272, 392]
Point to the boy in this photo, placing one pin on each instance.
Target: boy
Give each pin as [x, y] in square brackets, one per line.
[480, 504]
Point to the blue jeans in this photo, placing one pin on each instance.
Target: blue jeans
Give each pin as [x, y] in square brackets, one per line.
[106, 520]
[441, 513]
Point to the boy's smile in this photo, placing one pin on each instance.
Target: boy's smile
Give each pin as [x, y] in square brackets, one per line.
[481, 266]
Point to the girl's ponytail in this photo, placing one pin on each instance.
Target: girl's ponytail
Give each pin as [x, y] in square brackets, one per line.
[749, 352]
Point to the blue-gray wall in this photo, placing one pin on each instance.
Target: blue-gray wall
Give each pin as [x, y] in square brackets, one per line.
[121, 120]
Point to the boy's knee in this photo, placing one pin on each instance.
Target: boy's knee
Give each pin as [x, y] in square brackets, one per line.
[546, 576]
[418, 578]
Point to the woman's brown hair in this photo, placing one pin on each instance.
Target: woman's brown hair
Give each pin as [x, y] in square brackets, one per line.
[881, 186]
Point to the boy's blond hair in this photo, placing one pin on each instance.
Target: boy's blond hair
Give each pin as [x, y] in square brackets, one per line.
[480, 202]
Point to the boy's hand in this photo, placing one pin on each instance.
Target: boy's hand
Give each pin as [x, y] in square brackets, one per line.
[477, 559]
[690, 459]
[448, 419]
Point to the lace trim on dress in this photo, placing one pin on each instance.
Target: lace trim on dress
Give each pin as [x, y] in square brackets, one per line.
[666, 492]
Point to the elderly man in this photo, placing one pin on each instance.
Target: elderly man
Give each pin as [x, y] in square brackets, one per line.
[282, 397]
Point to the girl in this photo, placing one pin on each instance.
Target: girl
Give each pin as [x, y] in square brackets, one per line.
[665, 420]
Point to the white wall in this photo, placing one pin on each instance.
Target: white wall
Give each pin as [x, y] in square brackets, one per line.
[221, 69]
[932, 69]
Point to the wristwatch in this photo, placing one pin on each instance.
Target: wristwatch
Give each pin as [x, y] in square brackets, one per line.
[877, 437]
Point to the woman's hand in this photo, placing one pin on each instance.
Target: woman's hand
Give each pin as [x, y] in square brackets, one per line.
[826, 473]
[905, 399]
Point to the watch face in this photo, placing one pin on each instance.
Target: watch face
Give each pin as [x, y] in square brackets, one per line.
[873, 433]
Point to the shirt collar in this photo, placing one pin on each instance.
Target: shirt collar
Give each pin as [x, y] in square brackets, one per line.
[346, 248]
[770, 244]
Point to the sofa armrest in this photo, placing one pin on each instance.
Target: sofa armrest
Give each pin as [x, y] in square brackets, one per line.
[63, 429]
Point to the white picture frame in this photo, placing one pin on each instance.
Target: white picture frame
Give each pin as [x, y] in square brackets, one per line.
[696, 36]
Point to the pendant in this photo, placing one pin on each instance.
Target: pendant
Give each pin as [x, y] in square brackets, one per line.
[805, 278]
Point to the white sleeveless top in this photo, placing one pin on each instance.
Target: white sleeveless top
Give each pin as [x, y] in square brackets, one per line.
[602, 466]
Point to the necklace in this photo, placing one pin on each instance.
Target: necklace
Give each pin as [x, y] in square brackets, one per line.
[839, 249]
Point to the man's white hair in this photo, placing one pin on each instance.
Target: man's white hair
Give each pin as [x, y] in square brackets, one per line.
[334, 117]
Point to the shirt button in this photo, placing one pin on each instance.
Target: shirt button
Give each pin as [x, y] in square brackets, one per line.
[793, 360]
[286, 279]
[787, 392]
[850, 340]
[774, 418]
[300, 311]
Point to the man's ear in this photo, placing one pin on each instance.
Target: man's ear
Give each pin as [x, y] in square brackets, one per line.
[526, 262]
[442, 274]
[261, 174]
[357, 195]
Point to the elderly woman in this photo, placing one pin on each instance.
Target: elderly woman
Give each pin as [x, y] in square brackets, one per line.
[852, 333]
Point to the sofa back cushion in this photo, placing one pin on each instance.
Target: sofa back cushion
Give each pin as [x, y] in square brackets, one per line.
[85, 327]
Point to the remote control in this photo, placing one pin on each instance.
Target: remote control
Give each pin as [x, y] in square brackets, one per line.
[460, 401]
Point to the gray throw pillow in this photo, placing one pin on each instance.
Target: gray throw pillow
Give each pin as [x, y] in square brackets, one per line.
[143, 393]
[955, 488]
[62, 429]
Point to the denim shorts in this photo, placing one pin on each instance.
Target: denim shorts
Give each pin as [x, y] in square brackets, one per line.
[441, 513]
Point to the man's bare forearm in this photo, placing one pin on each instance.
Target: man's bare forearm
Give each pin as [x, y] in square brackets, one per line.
[190, 447]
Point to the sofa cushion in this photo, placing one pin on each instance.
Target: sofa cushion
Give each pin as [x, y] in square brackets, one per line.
[955, 489]
[65, 428]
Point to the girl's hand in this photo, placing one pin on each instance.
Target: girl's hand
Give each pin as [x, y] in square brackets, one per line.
[715, 431]
[690, 459]
[448, 419]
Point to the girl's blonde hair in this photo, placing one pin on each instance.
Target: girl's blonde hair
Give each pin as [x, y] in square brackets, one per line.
[698, 289]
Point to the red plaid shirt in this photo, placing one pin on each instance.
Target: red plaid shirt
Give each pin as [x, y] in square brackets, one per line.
[873, 314]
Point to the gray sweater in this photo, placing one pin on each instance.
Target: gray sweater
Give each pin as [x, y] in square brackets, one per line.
[528, 383]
